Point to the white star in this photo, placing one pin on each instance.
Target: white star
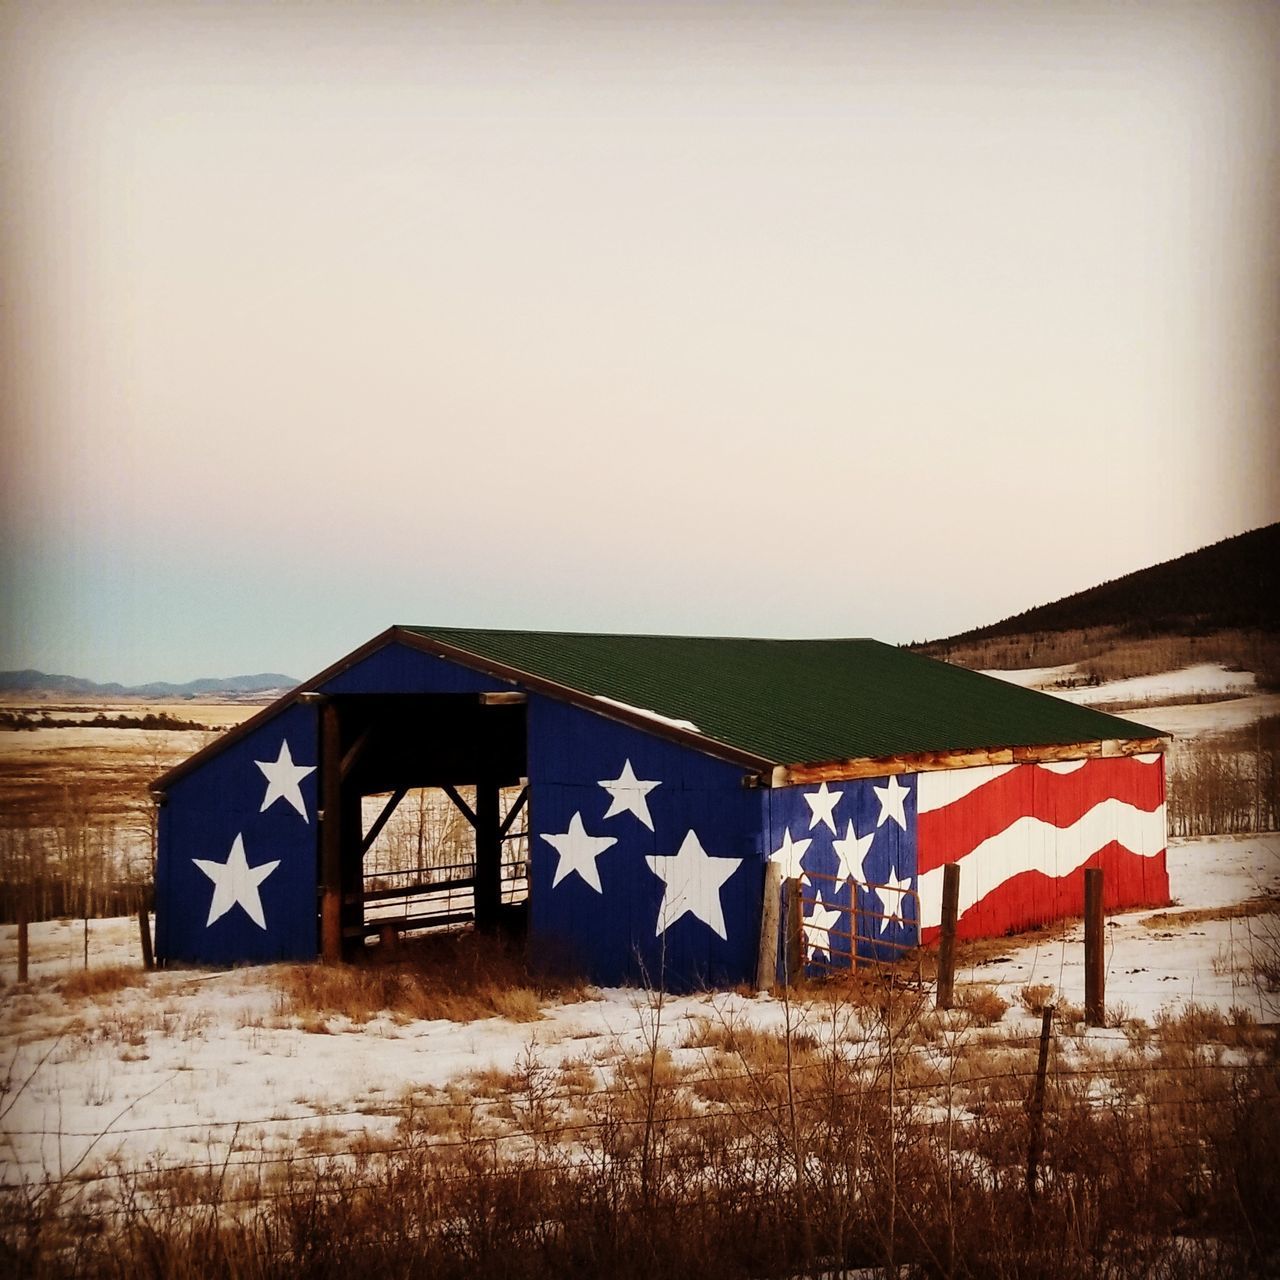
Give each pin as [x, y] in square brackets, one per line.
[235, 881]
[627, 795]
[892, 897]
[693, 879]
[892, 798]
[852, 852]
[821, 803]
[866, 871]
[788, 855]
[283, 777]
[824, 919]
[578, 852]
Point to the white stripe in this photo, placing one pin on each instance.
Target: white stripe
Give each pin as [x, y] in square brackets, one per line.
[937, 788]
[1032, 845]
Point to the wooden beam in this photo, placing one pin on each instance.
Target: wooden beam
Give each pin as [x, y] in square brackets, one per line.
[928, 761]
[514, 811]
[383, 818]
[507, 698]
[793, 943]
[767, 955]
[460, 802]
[330, 833]
[355, 751]
[488, 890]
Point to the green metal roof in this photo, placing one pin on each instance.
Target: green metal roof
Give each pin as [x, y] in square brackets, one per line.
[795, 701]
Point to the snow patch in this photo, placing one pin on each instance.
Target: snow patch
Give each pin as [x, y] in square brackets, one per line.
[648, 714]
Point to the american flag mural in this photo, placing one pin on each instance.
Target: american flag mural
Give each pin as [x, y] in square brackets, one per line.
[1024, 834]
[869, 855]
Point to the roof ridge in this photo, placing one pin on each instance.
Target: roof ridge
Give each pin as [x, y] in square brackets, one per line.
[641, 635]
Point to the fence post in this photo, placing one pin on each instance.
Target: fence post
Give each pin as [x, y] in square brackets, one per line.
[23, 943]
[947, 944]
[767, 960]
[1037, 1102]
[144, 933]
[795, 932]
[1095, 972]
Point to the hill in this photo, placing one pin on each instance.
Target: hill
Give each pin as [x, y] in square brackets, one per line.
[1220, 603]
[1231, 584]
[39, 682]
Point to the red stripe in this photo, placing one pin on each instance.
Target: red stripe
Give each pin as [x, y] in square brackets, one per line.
[948, 834]
[1032, 898]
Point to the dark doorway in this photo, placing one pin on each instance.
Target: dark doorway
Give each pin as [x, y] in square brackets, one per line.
[450, 769]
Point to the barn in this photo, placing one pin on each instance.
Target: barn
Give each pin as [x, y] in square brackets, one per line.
[624, 795]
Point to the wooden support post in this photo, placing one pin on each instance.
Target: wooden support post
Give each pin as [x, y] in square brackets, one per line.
[389, 937]
[144, 933]
[488, 887]
[24, 944]
[330, 833]
[1036, 1105]
[947, 942]
[1095, 967]
[767, 959]
[794, 968]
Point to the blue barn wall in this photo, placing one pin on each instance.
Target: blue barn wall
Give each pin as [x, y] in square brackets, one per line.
[203, 817]
[858, 835]
[612, 933]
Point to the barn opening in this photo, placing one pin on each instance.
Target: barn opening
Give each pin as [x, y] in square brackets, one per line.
[425, 821]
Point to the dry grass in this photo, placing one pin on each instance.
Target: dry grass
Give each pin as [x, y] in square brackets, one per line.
[459, 977]
[761, 1048]
[578, 1075]
[1067, 1016]
[1194, 1024]
[1035, 996]
[880, 1154]
[90, 984]
[981, 1002]
[1262, 906]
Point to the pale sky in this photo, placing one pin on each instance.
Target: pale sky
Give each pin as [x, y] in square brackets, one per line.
[777, 319]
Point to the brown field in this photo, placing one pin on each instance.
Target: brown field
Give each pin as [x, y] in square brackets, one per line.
[102, 773]
[77, 823]
[214, 714]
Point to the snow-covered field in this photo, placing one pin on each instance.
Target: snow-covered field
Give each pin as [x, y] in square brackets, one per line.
[192, 1066]
[1201, 680]
[1241, 704]
[189, 1067]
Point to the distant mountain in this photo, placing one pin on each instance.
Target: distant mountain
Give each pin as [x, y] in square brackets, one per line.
[1231, 585]
[31, 682]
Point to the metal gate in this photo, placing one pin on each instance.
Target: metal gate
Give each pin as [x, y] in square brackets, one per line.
[845, 923]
